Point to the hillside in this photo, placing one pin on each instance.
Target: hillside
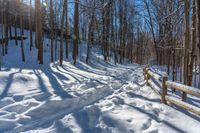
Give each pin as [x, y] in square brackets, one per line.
[98, 97]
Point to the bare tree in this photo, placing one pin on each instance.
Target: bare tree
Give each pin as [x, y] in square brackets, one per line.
[62, 32]
[39, 31]
[6, 26]
[152, 28]
[30, 25]
[186, 44]
[51, 28]
[198, 32]
[21, 33]
[76, 30]
[66, 31]
[194, 44]
[90, 31]
[2, 28]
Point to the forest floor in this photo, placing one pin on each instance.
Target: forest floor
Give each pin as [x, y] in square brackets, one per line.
[98, 97]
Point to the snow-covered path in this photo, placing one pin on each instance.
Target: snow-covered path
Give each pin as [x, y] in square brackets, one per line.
[103, 98]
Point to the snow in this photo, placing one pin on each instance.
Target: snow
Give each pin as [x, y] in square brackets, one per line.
[98, 97]
[193, 100]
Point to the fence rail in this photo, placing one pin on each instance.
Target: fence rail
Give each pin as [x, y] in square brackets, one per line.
[160, 84]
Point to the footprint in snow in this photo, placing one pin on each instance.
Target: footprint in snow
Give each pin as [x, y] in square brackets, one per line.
[147, 124]
[22, 79]
[19, 108]
[129, 120]
[30, 73]
[18, 98]
[131, 130]
[117, 101]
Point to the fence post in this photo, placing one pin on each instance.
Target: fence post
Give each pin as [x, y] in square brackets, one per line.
[147, 76]
[144, 73]
[164, 88]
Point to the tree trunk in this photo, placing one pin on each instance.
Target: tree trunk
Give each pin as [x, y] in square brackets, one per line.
[62, 32]
[2, 28]
[21, 33]
[67, 47]
[10, 25]
[152, 29]
[186, 45]
[52, 28]
[39, 31]
[30, 26]
[16, 42]
[76, 22]
[6, 27]
[198, 27]
[36, 23]
[194, 43]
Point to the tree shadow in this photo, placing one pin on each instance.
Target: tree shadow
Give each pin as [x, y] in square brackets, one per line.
[89, 69]
[8, 85]
[40, 82]
[132, 95]
[88, 125]
[46, 94]
[58, 89]
[154, 117]
[89, 118]
[190, 100]
[138, 84]
[194, 116]
[70, 72]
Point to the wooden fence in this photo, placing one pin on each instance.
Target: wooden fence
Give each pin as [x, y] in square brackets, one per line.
[160, 84]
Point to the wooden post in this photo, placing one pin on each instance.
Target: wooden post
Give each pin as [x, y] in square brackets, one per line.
[147, 76]
[144, 72]
[164, 88]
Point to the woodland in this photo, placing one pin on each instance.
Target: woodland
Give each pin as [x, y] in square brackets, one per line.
[58, 52]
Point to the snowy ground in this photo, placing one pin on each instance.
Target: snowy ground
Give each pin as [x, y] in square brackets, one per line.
[96, 98]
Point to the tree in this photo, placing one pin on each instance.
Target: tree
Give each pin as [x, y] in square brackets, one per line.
[66, 31]
[186, 45]
[21, 32]
[2, 27]
[6, 26]
[1, 43]
[51, 28]
[90, 31]
[62, 32]
[194, 43]
[39, 31]
[198, 31]
[30, 25]
[16, 16]
[104, 36]
[152, 28]
[76, 30]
